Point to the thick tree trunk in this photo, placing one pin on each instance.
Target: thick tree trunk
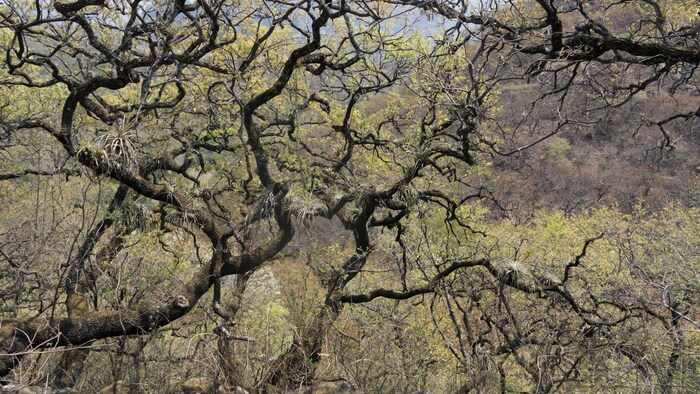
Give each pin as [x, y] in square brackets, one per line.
[71, 364]
[69, 368]
[296, 367]
[20, 337]
[231, 369]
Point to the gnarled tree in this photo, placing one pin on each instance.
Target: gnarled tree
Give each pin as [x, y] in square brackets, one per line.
[218, 130]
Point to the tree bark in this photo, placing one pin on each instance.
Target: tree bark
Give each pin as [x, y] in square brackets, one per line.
[20, 337]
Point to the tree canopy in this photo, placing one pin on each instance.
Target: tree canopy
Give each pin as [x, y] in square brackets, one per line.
[298, 178]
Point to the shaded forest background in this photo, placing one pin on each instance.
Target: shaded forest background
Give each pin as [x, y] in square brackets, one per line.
[353, 202]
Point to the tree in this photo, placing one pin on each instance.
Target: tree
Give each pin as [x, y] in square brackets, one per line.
[215, 132]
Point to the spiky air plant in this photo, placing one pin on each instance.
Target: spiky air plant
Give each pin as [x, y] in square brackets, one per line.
[117, 143]
[304, 206]
[184, 216]
[516, 271]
